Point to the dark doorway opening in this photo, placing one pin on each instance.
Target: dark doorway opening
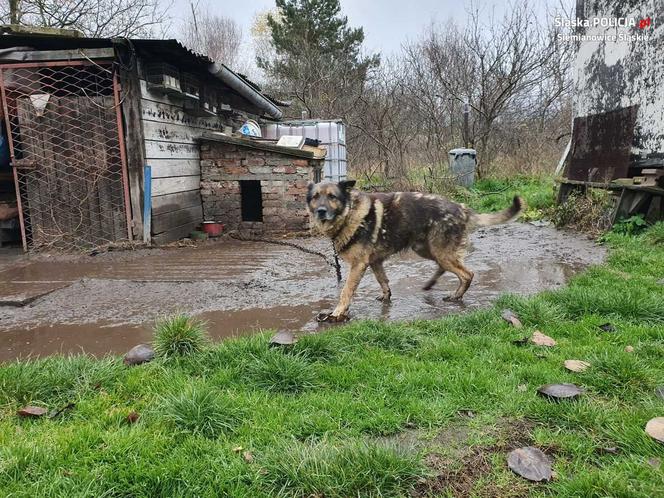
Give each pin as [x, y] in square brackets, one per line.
[252, 200]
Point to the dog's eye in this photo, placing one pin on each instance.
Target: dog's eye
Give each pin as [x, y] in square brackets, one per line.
[331, 196]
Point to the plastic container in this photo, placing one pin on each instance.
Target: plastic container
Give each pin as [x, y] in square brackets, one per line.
[212, 228]
[463, 164]
[331, 133]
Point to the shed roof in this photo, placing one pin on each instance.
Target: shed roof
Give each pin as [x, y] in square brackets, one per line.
[169, 50]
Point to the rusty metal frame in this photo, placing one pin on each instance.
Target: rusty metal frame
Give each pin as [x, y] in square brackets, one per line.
[10, 140]
[121, 141]
[123, 153]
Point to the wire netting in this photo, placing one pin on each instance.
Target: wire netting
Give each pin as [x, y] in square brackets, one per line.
[66, 151]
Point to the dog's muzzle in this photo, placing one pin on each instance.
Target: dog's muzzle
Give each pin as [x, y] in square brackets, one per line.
[324, 214]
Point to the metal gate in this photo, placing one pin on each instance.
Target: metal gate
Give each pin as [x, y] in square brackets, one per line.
[65, 134]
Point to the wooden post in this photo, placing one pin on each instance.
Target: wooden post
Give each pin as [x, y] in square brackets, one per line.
[131, 111]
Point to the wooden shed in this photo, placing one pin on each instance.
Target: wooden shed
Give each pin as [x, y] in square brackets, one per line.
[85, 116]
[618, 128]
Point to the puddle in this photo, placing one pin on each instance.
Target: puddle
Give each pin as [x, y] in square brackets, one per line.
[109, 302]
[99, 339]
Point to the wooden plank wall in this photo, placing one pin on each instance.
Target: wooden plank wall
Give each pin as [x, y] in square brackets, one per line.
[172, 151]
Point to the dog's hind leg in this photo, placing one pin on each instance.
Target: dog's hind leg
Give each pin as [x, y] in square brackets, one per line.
[381, 277]
[432, 281]
[453, 262]
[465, 276]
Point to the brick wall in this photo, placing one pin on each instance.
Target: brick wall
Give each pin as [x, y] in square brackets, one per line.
[283, 178]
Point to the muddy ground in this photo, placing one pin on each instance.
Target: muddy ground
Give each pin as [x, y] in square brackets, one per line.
[107, 303]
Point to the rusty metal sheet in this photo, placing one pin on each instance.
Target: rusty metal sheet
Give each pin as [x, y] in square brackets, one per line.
[601, 145]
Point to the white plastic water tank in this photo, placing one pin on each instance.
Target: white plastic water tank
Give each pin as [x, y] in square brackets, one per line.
[331, 133]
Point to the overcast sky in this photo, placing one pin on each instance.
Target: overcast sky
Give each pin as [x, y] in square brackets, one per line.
[387, 23]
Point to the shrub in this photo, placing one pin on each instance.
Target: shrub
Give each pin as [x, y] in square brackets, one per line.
[179, 335]
[589, 212]
[655, 234]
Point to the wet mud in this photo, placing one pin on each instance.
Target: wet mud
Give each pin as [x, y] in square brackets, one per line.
[108, 303]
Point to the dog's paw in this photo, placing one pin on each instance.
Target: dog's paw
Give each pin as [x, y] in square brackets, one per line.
[428, 286]
[384, 298]
[324, 317]
[452, 298]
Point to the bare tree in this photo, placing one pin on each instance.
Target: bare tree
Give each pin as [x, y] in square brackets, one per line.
[95, 18]
[383, 125]
[505, 68]
[218, 37]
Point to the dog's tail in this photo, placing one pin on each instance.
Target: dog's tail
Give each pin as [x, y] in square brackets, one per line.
[504, 216]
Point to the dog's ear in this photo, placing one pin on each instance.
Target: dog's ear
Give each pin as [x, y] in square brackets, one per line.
[310, 190]
[346, 185]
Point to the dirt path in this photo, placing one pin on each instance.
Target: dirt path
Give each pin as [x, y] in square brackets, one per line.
[107, 303]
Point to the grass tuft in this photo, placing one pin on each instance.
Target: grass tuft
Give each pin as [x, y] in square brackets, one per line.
[179, 335]
[533, 311]
[200, 409]
[357, 469]
[277, 371]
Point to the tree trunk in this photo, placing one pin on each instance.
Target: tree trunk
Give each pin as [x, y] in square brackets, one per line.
[14, 15]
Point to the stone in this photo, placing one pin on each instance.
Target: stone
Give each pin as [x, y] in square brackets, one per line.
[283, 338]
[659, 392]
[510, 317]
[139, 354]
[530, 463]
[560, 391]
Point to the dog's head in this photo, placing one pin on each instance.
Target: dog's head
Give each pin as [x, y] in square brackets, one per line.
[328, 201]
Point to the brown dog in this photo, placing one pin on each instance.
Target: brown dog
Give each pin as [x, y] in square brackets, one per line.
[366, 229]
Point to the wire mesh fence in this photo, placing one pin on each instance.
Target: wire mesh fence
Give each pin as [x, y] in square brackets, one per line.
[67, 153]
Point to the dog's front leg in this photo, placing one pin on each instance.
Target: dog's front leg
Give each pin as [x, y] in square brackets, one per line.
[356, 273]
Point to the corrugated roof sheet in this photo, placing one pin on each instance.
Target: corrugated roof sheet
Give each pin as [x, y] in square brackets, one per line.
[169, 49]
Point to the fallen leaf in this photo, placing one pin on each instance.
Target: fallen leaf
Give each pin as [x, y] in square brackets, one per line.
[522, 388]
[509, 316]
[655, 429]
[611, 450]
[237, 449]
[248, 457]
[560, 391]
[629, 349]
[32, 411]
[576, 365]
[607, 327]
[655, 462]
[283, 338]
[132, 417]
[466, 413]
[542, 339]
[530, 463]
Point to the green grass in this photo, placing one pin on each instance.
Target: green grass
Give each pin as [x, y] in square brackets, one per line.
[495, 194]
[333, 415]
[179, 335]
